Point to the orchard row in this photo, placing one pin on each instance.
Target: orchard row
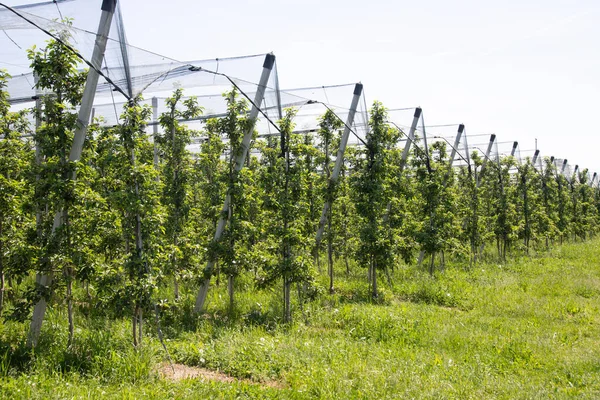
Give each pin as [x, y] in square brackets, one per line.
[138, 215]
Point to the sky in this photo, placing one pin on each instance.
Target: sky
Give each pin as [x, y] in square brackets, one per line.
[520, 69]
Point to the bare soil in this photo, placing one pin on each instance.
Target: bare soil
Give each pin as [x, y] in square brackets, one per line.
[180, 371]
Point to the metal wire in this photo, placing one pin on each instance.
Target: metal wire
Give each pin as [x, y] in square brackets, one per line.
[70, 48]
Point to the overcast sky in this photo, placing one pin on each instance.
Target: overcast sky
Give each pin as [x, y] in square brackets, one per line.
[521, 69]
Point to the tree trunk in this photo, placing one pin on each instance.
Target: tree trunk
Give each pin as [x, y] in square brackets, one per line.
[374, 277]
[287, 314]
[421, 258]
[432, 264]
[330, 254]
[230, 290]
[218, 273]
[347, 265]
[70, 310]
[443, 260]
[389, 277]
[140, 325]
[176, 287]
[134, 326]
[499, 247]
[2, 282]
[2, 287]
[174, 266]
[318, 260]
[301, 290]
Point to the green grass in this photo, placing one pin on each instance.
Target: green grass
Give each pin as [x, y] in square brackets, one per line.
[529, 328]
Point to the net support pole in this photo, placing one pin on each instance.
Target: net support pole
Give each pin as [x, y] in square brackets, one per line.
[38, 151]
[535, 157]
[459, 134]
[466, 148]
[411, 138]
[339, 158]
[44, 279]
[425, 144]
[514, 149]
[405, 152]
[564, 167]
[486, 158]
[239, 164]
[155, 130]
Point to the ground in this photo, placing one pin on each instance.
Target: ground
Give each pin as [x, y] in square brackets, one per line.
[526, 328]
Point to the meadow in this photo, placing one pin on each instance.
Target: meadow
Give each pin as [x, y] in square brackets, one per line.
[525, 328]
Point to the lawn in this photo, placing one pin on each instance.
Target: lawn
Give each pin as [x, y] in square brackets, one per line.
[527, 328]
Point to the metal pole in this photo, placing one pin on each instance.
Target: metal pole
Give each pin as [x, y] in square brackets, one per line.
[425, 145]
[155, 129]
[340, 157]
[485, 159]
[514, 149]
[89, 92]
[411, 137]
[239, 163]
[564, 166]
[108, 10]
[467, 155]
[535, 157]
[405, 152]
[461, 128]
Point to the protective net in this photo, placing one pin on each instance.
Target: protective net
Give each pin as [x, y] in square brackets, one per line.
[456, 142]
[402, 119]
[128, 71]
[131, 70]
[313, 102]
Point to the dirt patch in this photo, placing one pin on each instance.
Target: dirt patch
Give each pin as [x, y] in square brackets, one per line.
[181, 371]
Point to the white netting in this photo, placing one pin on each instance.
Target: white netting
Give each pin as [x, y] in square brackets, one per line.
[456, 144]
[131, 70]
[402, 119]
[134, 71]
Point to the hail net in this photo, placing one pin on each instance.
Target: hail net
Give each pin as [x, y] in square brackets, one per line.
[456, 143]
[134, 71]
[426, 136]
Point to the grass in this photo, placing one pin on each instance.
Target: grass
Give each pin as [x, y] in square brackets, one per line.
[529, 328]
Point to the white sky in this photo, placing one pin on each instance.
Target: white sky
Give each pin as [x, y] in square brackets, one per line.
[521, 69]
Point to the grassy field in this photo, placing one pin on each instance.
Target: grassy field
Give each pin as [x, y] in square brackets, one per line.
[529, 328]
